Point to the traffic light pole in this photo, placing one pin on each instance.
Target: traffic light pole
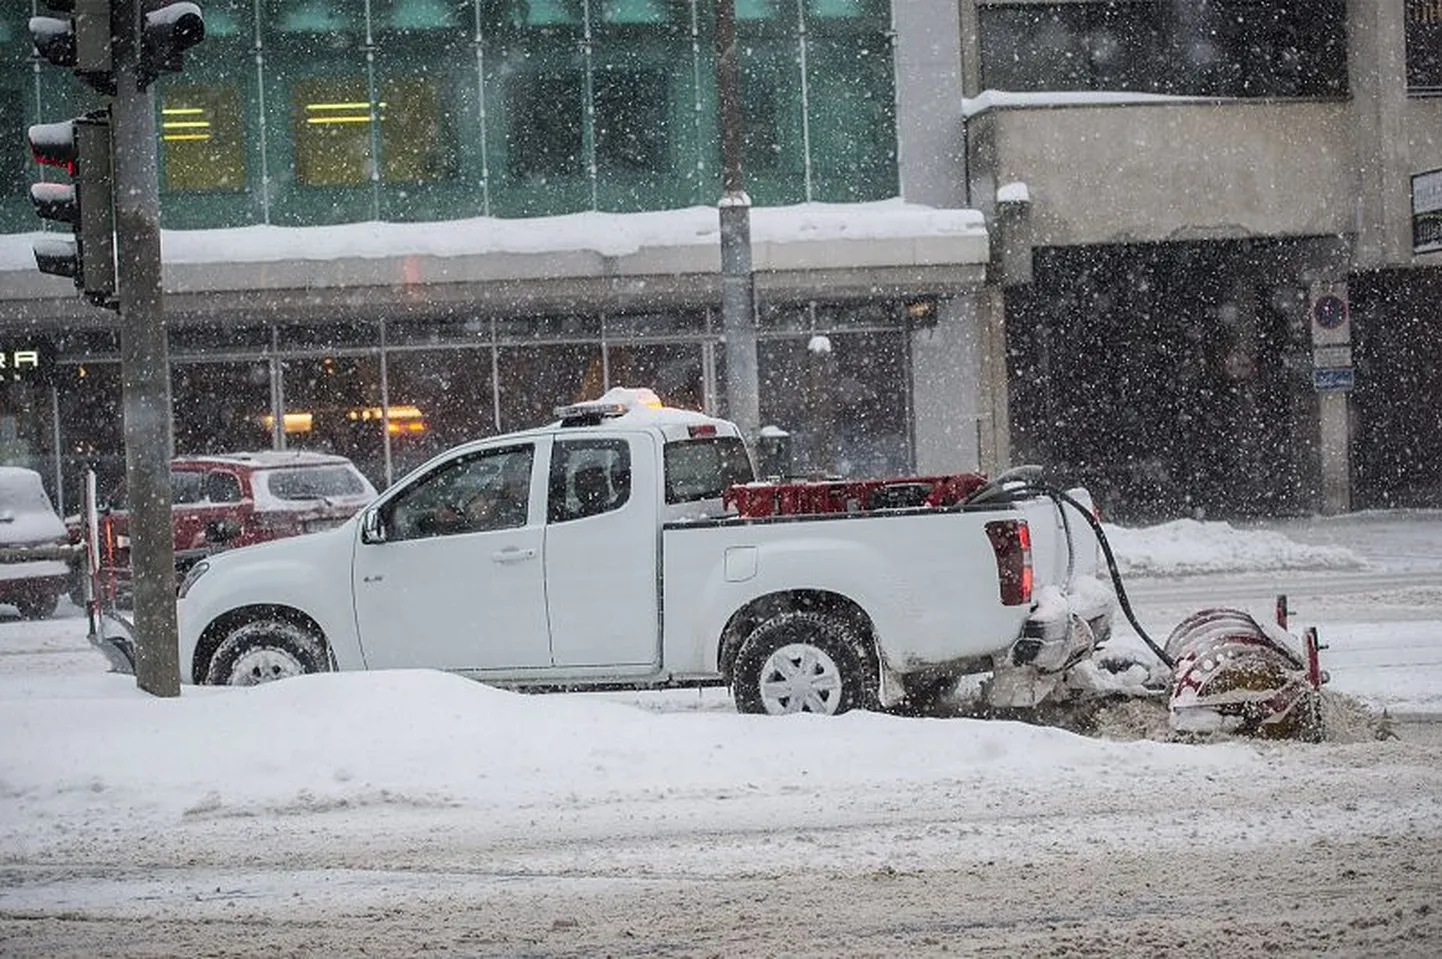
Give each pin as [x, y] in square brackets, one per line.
[738, 287]
[145, 361]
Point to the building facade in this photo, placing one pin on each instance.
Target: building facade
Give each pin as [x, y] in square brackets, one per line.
[1194, 202]
[396, 224]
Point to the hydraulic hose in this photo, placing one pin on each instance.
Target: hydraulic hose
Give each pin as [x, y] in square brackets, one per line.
[1032, 487]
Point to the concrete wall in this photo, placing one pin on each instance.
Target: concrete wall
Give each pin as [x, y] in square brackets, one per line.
[1157, 171]
[928, 110]
[950, 407]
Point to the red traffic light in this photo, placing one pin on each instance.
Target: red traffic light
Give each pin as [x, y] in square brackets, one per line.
[53, 144]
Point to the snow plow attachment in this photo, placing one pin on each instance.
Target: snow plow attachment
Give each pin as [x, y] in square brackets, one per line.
[1235, 675]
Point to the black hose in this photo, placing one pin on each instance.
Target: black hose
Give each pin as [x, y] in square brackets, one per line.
[1033, 488]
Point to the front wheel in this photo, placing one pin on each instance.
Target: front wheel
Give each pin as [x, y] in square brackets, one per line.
[803, 662]
[265, 650]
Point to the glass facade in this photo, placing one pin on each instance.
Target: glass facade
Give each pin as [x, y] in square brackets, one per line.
[299, 112]
[1221, 48]
[391, 395]
[1424, 47]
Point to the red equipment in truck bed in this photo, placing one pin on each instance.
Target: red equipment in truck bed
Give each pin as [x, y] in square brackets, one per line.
[808, 497]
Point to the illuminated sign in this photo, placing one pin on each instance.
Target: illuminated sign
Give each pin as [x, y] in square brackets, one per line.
[26, 362]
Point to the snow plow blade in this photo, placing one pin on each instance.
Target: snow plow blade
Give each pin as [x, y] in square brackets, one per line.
[1237, 676]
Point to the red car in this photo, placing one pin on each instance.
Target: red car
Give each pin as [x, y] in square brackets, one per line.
[226, 500]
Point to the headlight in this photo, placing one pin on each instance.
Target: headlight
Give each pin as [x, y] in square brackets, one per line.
[196, 571]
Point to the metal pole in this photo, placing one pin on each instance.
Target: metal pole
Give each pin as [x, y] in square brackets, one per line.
[738, 291]
[145, 363]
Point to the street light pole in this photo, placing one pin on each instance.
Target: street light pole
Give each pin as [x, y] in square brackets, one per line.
[738, 291]
[144, 361]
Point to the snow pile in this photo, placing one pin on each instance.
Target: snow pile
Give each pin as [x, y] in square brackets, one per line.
[95, 748]
[1187, 547]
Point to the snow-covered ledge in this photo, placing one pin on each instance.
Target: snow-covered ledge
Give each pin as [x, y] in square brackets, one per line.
[814, 236]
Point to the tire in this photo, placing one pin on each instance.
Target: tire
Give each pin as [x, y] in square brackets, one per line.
[40, 605]
[265, 650]
[803, 662]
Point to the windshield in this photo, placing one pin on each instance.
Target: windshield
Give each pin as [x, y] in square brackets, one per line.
[703, 468]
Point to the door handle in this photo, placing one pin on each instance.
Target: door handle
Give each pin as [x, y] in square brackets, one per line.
[513, 554]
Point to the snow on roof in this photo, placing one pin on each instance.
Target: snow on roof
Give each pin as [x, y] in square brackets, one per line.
[989, 99]
[608, 234]
[267, 459]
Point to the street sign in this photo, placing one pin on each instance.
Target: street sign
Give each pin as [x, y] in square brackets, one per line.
[1427, 211]
[1334, 355]
[1332, 378]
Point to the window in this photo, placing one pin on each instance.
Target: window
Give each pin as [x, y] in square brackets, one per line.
[220, 487]
[1227, 48]
[331, 121]
[184, 488]
[14, 157]
[473, 493]
[544, 126]
[316, 482]
[703, 469]
[202, 137]
[418, 140]
[588, 478]
[1424, 46]
[632, 107]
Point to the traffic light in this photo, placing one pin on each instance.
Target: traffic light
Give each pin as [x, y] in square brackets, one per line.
[82, 148]
[170, 29]
[80, 41]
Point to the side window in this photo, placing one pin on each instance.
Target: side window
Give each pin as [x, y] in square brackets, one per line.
[478, 492]
[588, 477]
[219, 487]
[184, 487]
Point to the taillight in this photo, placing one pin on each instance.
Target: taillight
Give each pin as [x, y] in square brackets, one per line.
[1011, 542]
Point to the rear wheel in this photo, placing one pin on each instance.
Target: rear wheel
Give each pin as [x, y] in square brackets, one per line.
[264, 650]
[803, 662]
[38, 605]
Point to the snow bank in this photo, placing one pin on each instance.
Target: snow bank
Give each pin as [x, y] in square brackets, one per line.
[93, 747]
[1186, 547]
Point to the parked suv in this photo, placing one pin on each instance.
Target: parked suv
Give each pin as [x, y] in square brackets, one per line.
[34, 548]
[236, 499]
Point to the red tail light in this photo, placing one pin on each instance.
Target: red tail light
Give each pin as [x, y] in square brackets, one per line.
[1011, 542]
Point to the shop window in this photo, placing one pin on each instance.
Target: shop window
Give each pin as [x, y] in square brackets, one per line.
[331, 125]
[1228, 48]
[544, 126]
[631, 111]
[1424, 46]
[202, 138]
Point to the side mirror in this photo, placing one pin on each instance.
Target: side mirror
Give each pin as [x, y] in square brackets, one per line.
[221, 531]
[372, 529]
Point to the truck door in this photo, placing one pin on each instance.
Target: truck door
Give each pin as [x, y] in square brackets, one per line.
[456, 578]
[601, 546]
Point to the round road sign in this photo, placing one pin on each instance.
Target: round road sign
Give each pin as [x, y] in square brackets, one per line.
[1330, 311]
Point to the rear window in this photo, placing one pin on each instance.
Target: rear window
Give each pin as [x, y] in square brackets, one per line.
[316, 482]
[703, 468]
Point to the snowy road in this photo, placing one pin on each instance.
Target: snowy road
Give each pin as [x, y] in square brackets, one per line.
[393, 814]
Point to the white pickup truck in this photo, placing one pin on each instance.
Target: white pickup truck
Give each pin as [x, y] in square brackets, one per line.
[597, 553]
